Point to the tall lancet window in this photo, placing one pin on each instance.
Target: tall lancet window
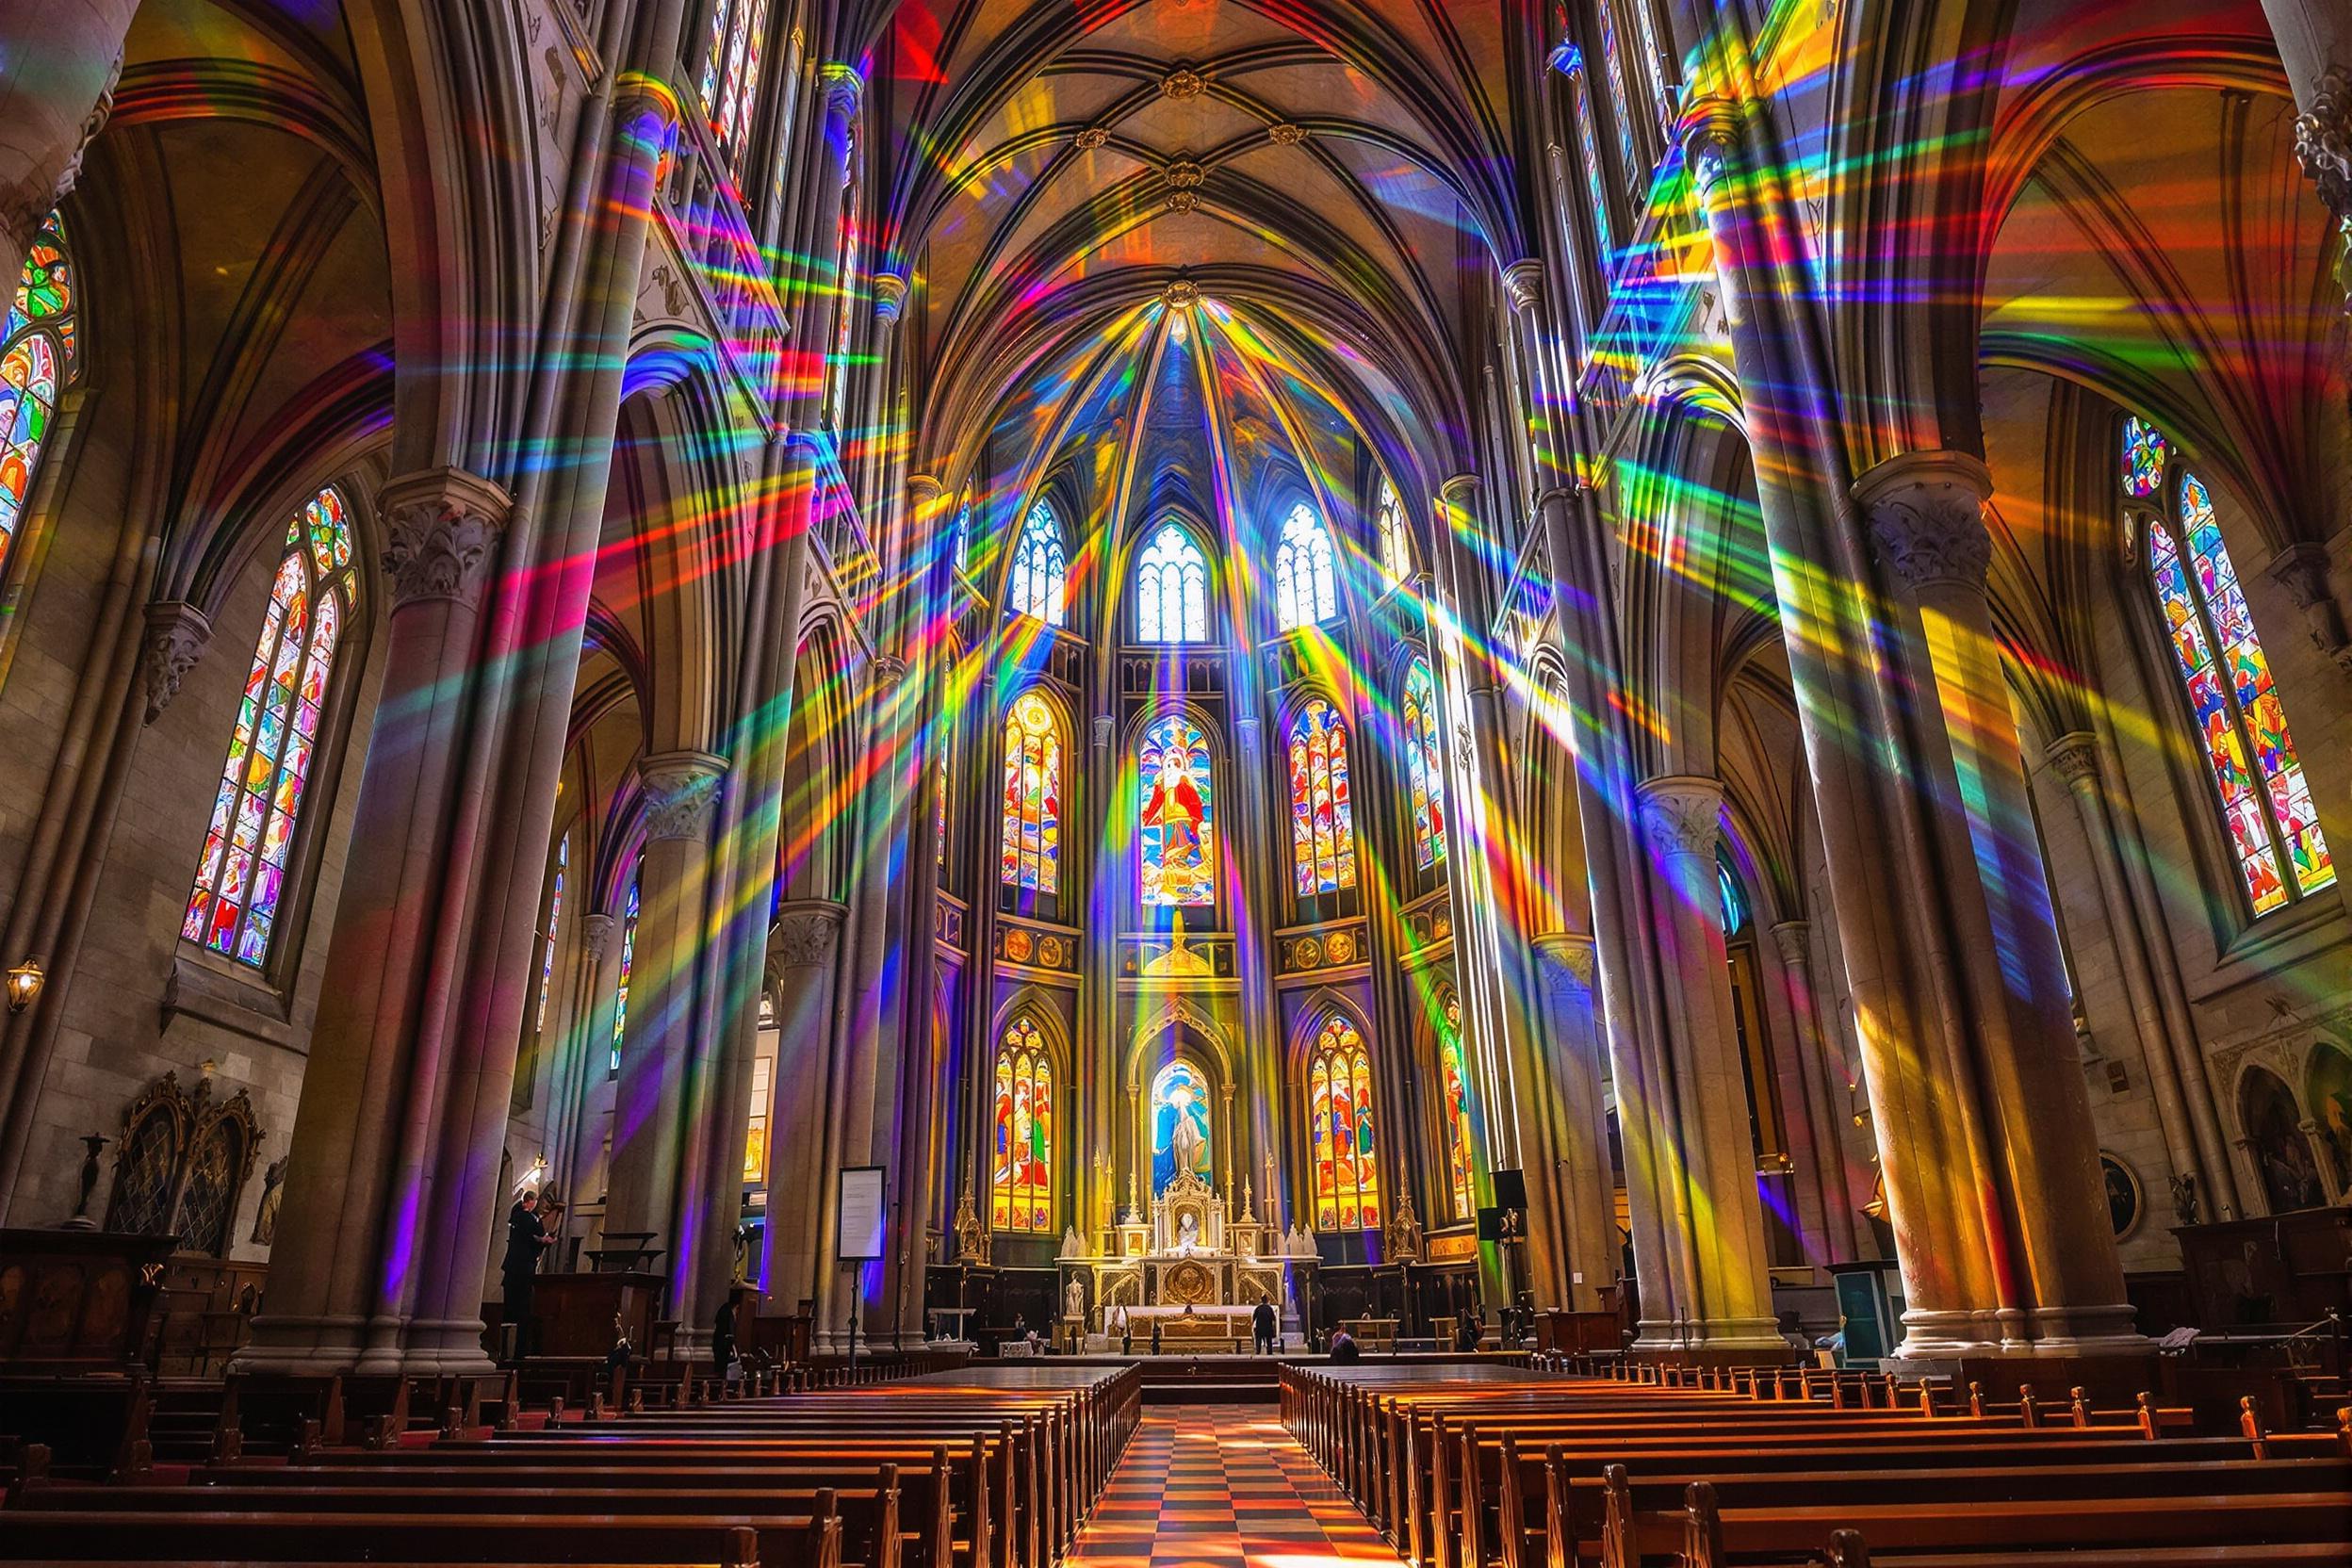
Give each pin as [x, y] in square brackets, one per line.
[730, 75]
[1454, 1072]
[1395, 540]
[1621, 100]
[554, 926]
[2265, 799]
[847, 280]
[1041, 582]
[242, 877]
[1425, 764]
[628, 964]
[1031, 853]
[1021, 1180]
[1339, 1097]
[36, 358]
[1177, 791]
[1306, 581]
[1172, 589]
[1569, 60]
[1322, 820]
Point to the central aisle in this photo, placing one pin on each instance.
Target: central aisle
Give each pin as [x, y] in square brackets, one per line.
[1224, 1486]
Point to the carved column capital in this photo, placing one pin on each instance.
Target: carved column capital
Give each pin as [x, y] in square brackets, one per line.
[1523, 283]
[2074, 758]
[1709, 132]
[1927, 518]
[884, 674]
[1795, 938]
[1457, 491]
[1567, 961]
[844, 91]
[805, 932]
[923, 490]
[681, 794]
[595, 932]
[1682, 815]
[2323, 141]
[442, 529]
[2301, 569]
[889, 297]
[178, 632]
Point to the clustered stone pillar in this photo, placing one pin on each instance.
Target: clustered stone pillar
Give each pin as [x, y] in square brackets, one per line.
[801, 957]
[1824, 1085]
[1708, 1166]
[1578, 1125]
[1983, 1131]
[682, 790]
[583, 1054]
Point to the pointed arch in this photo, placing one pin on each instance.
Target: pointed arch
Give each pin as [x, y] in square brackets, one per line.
[257, 810]
[1306, 580]
[1021, 1171]
[1177, 787]
[38, 355]
[1425, 763]
[1322, 814]
[1030, 844]
[1040, 570]
[1173, 587]
[1341, 1129]
[1453, 1071]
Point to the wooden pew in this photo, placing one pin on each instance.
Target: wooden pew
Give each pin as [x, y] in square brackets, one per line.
[90, 1535]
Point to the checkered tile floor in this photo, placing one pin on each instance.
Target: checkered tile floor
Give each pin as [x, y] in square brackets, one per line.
[1223, 1487]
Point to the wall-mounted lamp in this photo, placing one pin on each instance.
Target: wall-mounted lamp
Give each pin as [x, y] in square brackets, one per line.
[25, 982]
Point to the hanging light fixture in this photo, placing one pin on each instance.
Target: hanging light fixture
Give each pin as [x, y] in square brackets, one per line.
[25, 982]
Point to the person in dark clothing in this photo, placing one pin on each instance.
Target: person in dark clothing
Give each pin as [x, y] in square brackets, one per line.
[723, 1336]
[526, 1239]
[1345, 1351]
[1262, 1327]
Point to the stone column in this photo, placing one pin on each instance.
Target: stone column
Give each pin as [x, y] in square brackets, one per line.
[1578, 1140]
[1824, 1100]
[579, 1062]
[2314, 39]
[1715, 1189]
[1926, 517]
[682, 790]
[57, 86]
[801, 958]
[2175, 1069]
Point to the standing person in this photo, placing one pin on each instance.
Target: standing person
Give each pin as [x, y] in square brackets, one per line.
[1262, 1326]
[723, 1340]
[526, 1239]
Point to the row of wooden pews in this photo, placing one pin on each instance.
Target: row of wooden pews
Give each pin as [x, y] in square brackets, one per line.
[1476, 1466]
[988, 1468]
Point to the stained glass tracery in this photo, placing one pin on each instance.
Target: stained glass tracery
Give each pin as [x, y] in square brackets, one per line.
[1455, 1073]
[241, 879]
[1339, 1095]
[1031, 853]
[1323, 833]
[1396, 546]
[1172, 589]
[2266, 798]
[36, 358]
[1425, 764]
[1021, 1180]
[1040, 567]
[730, 74]
[546, 941]
[1177, 795]
[1306, 584]
[628, 963]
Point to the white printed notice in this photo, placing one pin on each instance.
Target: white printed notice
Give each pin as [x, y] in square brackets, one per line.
[861, 1237]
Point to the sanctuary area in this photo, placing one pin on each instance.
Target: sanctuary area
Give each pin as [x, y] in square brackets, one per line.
[959, 782]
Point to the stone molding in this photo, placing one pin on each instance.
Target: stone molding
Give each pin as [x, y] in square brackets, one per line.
[442, 530]
[1795, 938]
[2323, 141]
[2301, 569]
[1927, 518]
[30, 205]
[1682, 815]
[177, 633]
[1457, 491]
[1568, 962]
[1523, 281]
[844, 91]
[681, 794]
[889, 297]
[805, 932]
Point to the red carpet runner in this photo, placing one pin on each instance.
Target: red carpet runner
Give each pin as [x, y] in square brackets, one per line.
[1226, 1487]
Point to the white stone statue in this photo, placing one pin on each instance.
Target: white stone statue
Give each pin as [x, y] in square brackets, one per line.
[1072, 1246]
[1075, 1300]
[1188, 1236]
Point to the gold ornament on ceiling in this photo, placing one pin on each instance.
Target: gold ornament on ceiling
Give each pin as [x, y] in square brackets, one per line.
[1184, 174]
[1181, 295]
[1286, 134]
[1094, 137]
[1184, 83]
[1184, 200]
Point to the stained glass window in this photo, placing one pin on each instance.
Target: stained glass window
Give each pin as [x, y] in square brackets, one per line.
[37, 355]
[2265, 799]
[1621, 101]
[730, 74]
[766, 1042]
[1425, 764]
[1460, 1174]
[1396, 541]
[963, 538]
[2145, 453]
[1306, 586]
[1172, 589]
[1323, 832]
[1735, 899]
[628, 962]
[1021, 1180]
[1571, 61]
[1654, 58]
[1339, 1094]
[939, 806]
[1033, 795]
[1178, 801]
[1040, 567]
[241, 878]
[546, 941]
[1180, 1125]
[846, 276]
